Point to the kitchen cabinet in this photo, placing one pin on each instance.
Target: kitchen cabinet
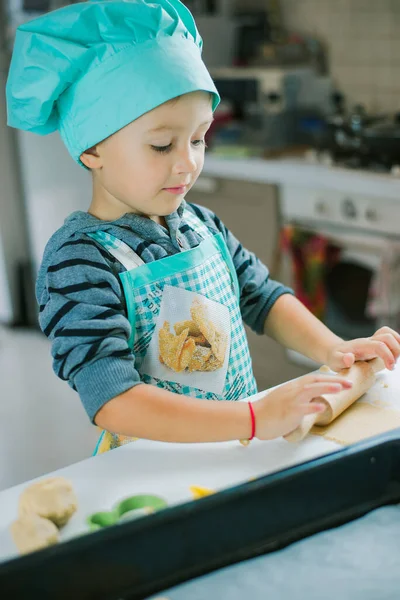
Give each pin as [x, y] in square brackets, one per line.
[251, 211]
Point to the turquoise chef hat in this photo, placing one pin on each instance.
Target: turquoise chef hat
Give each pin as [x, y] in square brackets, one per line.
[89, 69]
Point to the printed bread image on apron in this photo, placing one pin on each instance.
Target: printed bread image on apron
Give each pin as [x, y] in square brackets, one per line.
[191, 341]
[197, 345]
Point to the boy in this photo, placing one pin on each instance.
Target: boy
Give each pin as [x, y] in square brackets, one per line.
[143, 296]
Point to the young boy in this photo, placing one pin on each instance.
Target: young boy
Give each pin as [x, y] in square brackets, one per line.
[143, 296]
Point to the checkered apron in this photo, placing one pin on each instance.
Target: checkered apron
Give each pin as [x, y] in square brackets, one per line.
[207, 271]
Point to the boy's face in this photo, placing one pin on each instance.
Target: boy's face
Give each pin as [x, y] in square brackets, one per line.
[148, 166]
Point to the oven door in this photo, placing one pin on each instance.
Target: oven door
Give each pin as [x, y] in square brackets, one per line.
[358, 290]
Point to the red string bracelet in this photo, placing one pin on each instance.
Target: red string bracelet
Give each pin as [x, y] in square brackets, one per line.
[253, 426]
[253, 422]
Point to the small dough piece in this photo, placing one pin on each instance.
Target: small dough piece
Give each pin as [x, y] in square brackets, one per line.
[359, 422]
[199, 491]
[52, 498]
[324, 369]
[32, 532]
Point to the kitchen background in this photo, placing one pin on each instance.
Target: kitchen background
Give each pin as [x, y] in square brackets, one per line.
[303, 166]
[363, 42]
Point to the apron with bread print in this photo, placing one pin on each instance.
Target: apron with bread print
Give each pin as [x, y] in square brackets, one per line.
[187, 330]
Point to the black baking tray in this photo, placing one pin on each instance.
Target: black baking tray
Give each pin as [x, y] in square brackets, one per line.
[139, 558]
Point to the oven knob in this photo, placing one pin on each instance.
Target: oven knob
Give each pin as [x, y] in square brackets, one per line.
[371, 214]
[349, 209]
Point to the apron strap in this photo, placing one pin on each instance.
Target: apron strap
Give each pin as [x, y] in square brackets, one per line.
[121, 251]
[128, 257]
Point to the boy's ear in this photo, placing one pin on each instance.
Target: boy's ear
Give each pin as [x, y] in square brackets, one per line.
[91, 158]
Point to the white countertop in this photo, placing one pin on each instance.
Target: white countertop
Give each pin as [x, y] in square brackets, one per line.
[169, 469]
[300, 172]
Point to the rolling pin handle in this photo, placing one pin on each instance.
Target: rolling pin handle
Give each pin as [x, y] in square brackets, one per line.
[377, 364]
[303, 429]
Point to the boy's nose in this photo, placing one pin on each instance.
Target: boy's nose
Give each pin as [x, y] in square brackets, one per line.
[185, 163]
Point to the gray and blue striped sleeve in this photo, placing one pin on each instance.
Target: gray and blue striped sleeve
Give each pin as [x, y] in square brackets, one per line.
[258, 292]
[82, 312]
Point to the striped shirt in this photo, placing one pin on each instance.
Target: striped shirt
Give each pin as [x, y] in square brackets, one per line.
[82, 307]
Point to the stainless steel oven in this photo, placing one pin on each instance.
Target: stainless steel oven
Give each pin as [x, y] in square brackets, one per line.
[356, 263]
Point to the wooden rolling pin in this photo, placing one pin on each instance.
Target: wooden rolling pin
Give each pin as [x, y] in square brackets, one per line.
[362, 374]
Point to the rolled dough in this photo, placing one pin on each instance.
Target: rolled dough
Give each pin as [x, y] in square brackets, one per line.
[359, 422]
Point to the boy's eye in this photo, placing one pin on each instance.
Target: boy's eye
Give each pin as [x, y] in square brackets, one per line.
[199, 143]
[162, 149]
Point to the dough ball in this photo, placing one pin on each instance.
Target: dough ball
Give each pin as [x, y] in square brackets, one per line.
[324, 369]
[52, 498]
[32, 532]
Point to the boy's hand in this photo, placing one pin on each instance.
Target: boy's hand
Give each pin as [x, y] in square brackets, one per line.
[384, 343]
[281, 411]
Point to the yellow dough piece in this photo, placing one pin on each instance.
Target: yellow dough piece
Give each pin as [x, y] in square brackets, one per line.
[32, 532]
[52, 499]
[359, 422]
[200, 492]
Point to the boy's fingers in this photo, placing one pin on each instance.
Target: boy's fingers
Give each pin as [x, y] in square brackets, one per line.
[384, 330]
[329, 380]
[346, 359]
[314, 390]
[390, 342]
[326, 378]
[383, 351]
[310, 408]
